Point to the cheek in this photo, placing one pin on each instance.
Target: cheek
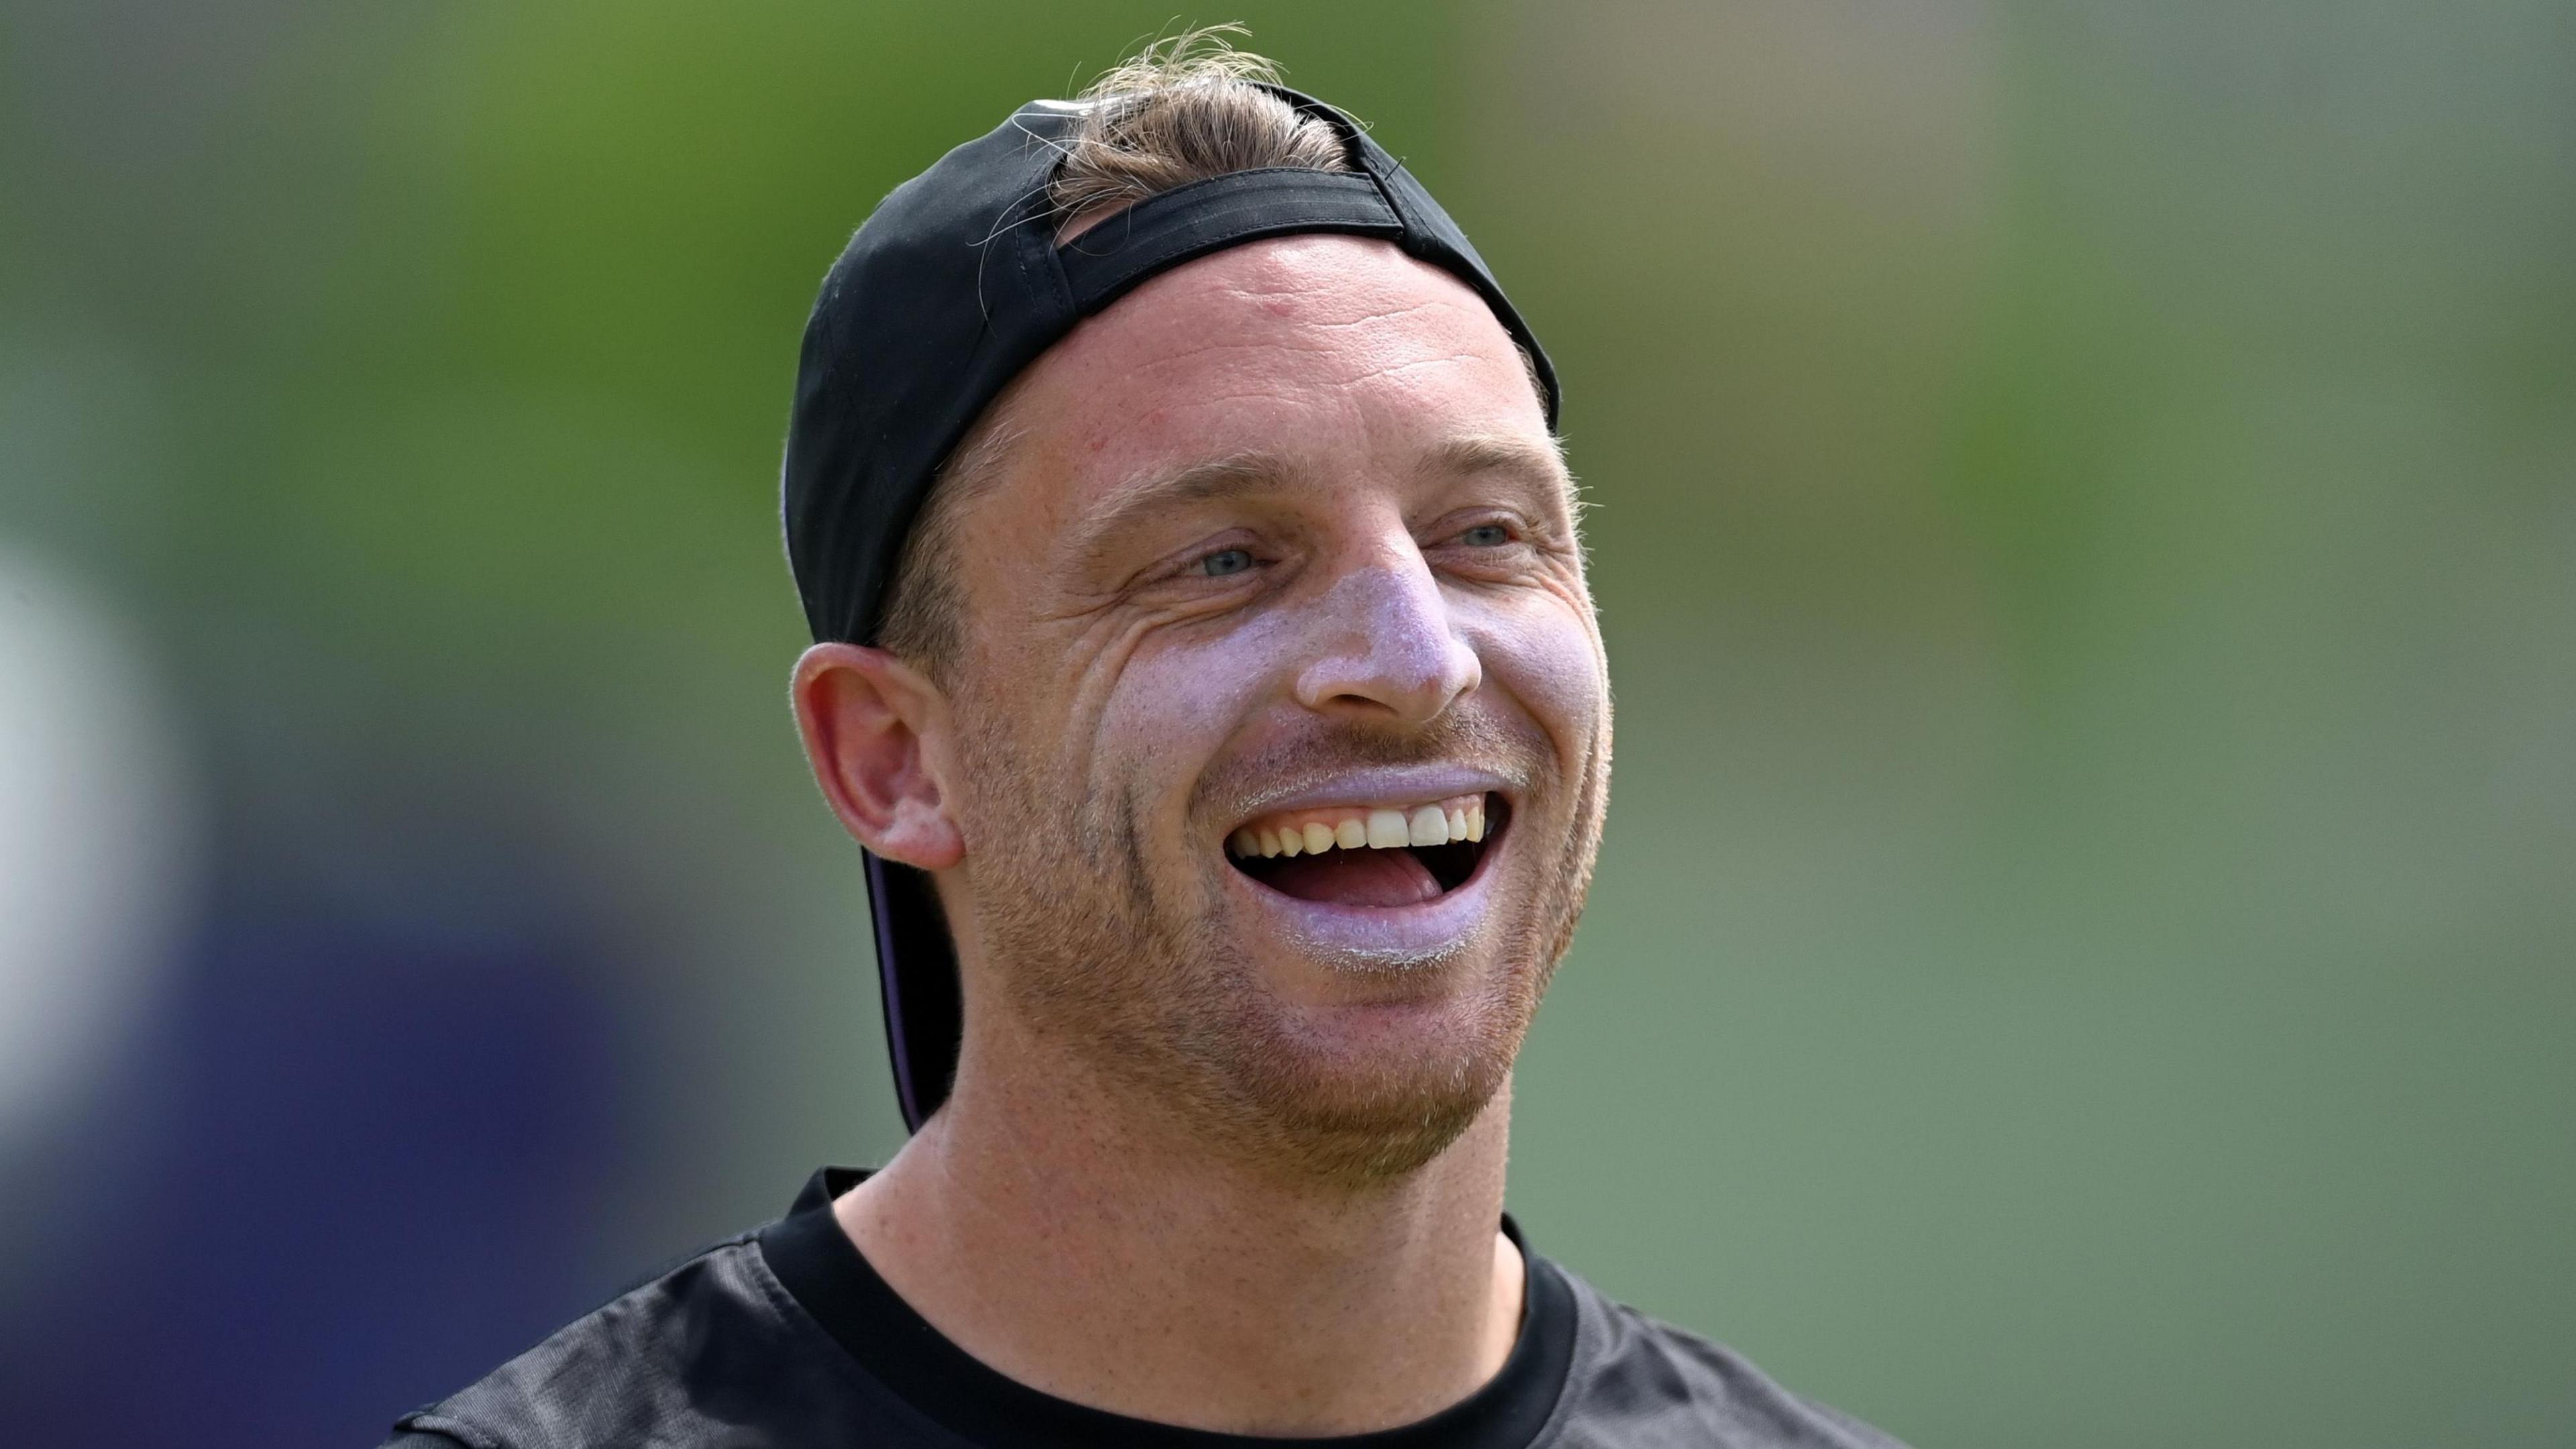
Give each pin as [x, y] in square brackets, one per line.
[1544, 654]
[1180, 696]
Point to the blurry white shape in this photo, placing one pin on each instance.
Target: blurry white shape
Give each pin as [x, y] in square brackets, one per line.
[99, 833]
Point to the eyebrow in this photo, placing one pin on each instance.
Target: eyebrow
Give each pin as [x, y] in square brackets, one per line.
[1194, 483]
[1532, 461]
[1538, 463]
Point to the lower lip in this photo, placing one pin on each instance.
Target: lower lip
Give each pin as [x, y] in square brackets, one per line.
[1381, 937]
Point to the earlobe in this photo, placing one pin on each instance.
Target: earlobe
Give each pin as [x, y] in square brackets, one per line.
[875, 730]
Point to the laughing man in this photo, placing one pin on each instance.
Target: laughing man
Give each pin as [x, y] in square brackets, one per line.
[1207, 667]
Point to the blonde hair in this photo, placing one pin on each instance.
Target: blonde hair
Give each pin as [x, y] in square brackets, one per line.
[1187, 108]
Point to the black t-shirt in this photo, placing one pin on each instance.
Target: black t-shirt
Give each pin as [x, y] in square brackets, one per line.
[785, 1338]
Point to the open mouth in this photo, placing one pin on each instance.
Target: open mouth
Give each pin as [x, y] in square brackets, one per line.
[1370, 855]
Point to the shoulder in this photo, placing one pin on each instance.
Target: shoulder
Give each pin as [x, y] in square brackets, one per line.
[1641, 1383]
[670, 1361]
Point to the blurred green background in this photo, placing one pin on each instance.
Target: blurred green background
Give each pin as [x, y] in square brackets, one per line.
[2084, 516]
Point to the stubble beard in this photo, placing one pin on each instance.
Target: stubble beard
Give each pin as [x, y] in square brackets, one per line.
[1148, 983]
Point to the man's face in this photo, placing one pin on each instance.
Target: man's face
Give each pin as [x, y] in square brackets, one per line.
[1283, 546]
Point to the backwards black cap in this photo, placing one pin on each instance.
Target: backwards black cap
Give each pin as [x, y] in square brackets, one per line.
[954, 284]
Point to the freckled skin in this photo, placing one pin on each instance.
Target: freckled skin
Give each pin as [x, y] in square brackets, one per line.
[1118, 707]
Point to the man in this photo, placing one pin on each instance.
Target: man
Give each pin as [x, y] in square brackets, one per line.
[1207, 667]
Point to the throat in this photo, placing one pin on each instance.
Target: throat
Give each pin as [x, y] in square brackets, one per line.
[1155, 1297]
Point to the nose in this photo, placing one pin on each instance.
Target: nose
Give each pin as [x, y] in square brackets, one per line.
[1389, 652]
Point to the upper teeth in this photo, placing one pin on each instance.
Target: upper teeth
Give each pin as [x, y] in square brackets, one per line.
[1355, 827]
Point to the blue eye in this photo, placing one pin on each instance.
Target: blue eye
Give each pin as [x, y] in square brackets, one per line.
[1486, 535]
[1226, 561]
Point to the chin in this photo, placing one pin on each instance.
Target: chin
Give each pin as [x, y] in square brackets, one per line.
[1376, 1084]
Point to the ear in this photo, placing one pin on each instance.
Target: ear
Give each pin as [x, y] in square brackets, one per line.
[876, 733]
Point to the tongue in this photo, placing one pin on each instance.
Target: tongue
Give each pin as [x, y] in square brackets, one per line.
[1355, 878]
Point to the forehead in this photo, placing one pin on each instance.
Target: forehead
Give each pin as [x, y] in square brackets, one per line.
[1340, 354]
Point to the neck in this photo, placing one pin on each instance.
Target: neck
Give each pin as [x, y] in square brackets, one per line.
[1089, 1252]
